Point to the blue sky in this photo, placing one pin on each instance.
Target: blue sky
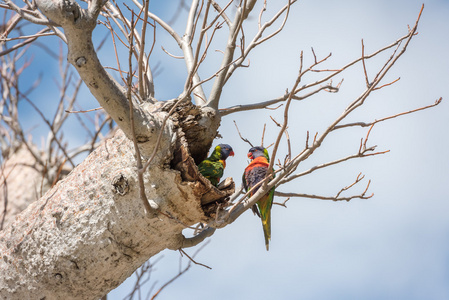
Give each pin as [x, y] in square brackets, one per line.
[392, 246]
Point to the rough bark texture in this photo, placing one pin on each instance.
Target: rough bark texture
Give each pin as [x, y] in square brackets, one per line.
[196, 127]
[89, 232]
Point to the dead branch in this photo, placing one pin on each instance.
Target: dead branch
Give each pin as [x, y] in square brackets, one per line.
[258, 38]
[143, 275]
[363, 151]
[284, 98]
[238, 208]
[181, 272]
[337, 197]
[363, 124]
[283, 203]
[150, 208]
[243, 139]
[192, 260]
[221, 12]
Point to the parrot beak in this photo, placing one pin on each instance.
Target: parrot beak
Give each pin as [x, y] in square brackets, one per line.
[250, 155]
[232, 153]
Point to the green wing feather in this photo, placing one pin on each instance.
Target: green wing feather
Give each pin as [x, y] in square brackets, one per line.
[264, 205]
[213, 167]
[212, 170]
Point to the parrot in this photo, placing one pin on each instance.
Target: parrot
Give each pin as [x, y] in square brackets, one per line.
[254, 173]
[212, 167]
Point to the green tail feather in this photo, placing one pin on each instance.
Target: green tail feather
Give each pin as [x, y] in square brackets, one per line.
[266, 224]
[264, 206]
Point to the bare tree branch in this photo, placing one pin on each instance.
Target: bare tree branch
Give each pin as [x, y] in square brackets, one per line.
[265, 104]
[150, 208]
[363, 124]
[241, 14]
[237, 209]
[181, 272]
[82, 55]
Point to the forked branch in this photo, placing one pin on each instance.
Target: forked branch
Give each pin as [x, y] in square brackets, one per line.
[285, 173]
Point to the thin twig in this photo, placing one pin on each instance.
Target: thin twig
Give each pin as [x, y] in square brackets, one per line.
[243, 139]
[143, 196]
[196, 263]
[363, 124]
[181, 272]
[83, 111]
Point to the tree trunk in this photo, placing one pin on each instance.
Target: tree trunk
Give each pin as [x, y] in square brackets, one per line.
[90, 232]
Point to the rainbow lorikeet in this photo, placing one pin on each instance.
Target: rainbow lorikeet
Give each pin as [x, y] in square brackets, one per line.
[255, 172]
[212, 167]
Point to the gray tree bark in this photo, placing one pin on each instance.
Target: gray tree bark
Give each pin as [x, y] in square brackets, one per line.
[89, 232]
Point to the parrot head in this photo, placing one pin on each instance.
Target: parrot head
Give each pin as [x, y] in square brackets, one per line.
[257, 151]
[225, 150]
